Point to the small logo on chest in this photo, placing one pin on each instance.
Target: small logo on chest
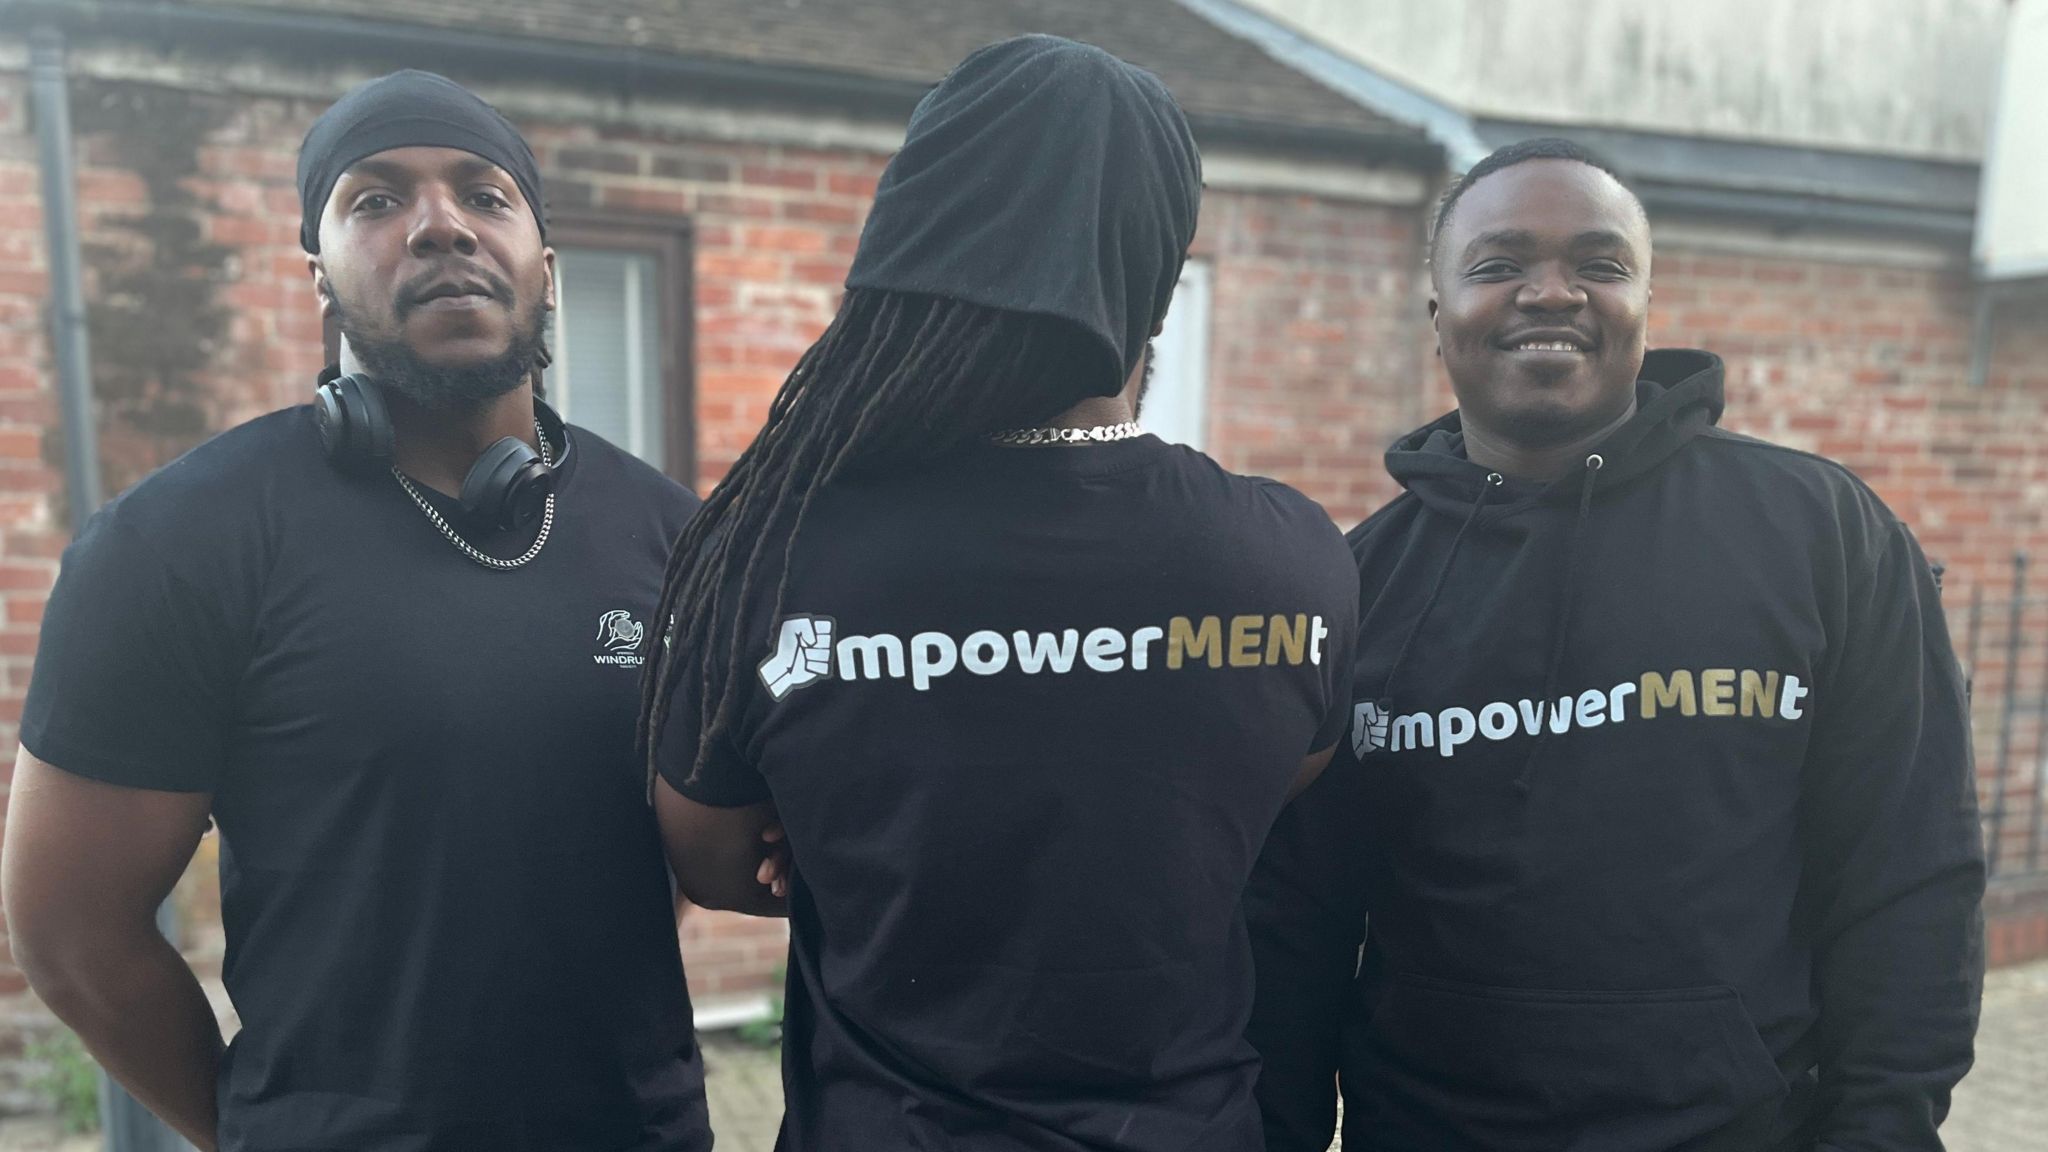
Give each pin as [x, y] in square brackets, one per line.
[620, 636]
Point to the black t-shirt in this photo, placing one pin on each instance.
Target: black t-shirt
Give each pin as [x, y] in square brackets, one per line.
[1027, 717]
[449, 924]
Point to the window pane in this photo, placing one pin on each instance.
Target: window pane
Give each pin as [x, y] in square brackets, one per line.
[1176, 403]
[606, 374]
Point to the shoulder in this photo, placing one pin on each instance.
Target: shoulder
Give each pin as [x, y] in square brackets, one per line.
[220, 489]
[1822, 488]
[618, 470]
[201, 531]
[1265, 520]
[1268, 502]
[1391, 516]
[270, 447]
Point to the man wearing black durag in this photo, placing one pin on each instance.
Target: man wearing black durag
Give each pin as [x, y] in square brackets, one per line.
[387, 643]
[1025, 686]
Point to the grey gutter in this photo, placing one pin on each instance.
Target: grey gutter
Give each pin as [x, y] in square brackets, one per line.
[1785, 182]
[624, 69]
[1797, 210]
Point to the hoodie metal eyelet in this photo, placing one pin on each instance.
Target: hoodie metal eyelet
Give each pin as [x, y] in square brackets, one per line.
[1495, 479]
[1595, 462]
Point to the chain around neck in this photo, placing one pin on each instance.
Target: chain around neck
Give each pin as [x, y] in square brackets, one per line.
[1100, 434]
[547, 520]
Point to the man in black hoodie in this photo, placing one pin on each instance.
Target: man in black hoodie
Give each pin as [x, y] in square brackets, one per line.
[1658, 790]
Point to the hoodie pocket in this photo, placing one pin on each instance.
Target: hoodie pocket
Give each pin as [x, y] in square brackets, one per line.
[1461, 1065]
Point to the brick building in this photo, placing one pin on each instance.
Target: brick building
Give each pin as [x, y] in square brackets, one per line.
[709, 163]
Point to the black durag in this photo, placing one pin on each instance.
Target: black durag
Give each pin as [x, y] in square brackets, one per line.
[407, 109]
[1048, 177]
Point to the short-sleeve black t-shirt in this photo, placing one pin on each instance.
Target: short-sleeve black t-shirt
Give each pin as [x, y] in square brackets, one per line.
[1027, 716]
[449, 924]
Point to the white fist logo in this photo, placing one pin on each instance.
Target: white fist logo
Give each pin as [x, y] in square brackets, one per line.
[803, 655]
[1368, 728]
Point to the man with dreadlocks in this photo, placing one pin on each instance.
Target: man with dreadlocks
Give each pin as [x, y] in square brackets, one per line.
[1024, 686]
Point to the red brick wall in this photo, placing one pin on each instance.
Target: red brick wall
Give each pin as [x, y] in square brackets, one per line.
[774, 231]
[1870, 366]
[1319, 344]
[1316, 341]
[29, 521]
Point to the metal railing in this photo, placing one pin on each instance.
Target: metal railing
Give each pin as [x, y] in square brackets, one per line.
[2004, 648]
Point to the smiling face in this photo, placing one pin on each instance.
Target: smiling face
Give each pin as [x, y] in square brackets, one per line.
[1542, 300]
[433, 264]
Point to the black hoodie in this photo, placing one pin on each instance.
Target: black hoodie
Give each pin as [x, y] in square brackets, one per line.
[1720, 892]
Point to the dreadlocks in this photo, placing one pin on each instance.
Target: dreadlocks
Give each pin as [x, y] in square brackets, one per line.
[897, 379]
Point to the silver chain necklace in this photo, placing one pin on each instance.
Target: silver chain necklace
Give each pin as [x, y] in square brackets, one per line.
[547, 520]
[1100, 434]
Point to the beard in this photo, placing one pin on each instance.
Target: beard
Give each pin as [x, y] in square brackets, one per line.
[397, 367]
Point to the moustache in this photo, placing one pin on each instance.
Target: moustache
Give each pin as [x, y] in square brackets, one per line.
[412, 293]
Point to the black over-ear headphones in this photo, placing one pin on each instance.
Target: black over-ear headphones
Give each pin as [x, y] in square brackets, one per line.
[507, 487]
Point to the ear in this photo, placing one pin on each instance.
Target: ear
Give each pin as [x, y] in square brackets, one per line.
[547, 275]
[321, 286]
[1434, 329]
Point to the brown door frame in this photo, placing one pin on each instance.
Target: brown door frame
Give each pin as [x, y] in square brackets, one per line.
[669, 239]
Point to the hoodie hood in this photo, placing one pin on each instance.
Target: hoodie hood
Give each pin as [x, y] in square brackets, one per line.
[1678, 396]
[1042, 176]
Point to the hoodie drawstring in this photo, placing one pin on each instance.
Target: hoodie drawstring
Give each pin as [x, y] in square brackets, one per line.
[1386, 701]
[1594, 463]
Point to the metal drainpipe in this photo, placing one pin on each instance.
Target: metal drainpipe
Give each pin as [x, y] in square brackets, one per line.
[67, 297]
[128, 1126]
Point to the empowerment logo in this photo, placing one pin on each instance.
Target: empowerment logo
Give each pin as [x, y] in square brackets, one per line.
[810, 649]
[1726, 692]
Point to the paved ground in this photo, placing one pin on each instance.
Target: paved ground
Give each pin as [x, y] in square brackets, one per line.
[744, 1082]
[2001, 1107]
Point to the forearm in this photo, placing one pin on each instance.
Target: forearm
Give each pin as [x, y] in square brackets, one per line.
[1304, 912]
[142, 1014]
[1295, 1027]
[726, 878]
[1899, 994]
[720, 856]
[731, 893]
[1894, 864]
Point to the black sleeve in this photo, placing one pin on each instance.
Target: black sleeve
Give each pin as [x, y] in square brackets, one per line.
[725, 778]
[1894, 867]
[138, 662]
[1342, 596]
[1306, 914]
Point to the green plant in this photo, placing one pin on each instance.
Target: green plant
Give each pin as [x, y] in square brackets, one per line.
[67, 1079]
[767, 1032]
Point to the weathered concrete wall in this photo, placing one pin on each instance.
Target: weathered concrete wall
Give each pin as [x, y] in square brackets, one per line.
[1912, 77]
